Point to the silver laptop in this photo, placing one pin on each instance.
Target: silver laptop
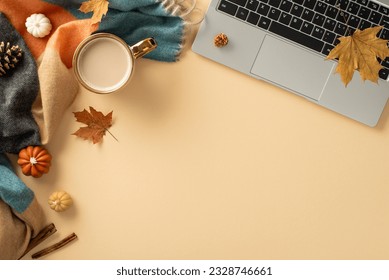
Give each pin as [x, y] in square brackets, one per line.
[285, 42]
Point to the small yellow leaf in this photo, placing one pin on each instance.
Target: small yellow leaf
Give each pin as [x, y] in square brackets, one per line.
[360, 52]
[98, 7]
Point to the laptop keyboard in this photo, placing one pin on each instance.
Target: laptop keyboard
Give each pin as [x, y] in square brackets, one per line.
[312, 23]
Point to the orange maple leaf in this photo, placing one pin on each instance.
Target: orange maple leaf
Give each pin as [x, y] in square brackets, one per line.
[97, 125]
[359, 52]
[98, 7]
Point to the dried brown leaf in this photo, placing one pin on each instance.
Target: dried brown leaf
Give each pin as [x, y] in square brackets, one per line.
[97, 125]
[360, 52]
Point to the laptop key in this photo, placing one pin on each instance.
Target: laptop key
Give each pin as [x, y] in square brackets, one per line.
[342, 4]
[384, 10]
[327, 48]
[385, 63]
[263, 9]
[332, 12]
[384, 34]
[296, 36]
[329, 37]
[285, 18]
[318, 32]
[329, 24]
[286, 5]
[242, 13]
[296, 23]
[375, 17]
[308, 15]
[297, 10]
[354, 21]
[342, 17]
[364, 12]
[228, 7]
[383, 73]
[264, 22]
[373, 5]
[274, 13]
[252, 5]
[253, 18]
[318, 19]
[353, 8]
[385, 21]
[340, 29]
[307, 27]
[320, 7]
[309, 4]
[364, 24]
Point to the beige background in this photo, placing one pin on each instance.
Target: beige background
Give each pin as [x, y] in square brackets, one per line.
[212, 164]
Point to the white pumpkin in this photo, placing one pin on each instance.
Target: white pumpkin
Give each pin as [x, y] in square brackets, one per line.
[38, 25]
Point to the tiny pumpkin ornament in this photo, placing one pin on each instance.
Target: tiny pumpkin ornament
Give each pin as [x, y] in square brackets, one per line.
[38, 25]
[60, 201]
[34, 161]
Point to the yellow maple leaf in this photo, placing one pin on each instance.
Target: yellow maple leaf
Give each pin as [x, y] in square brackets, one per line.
[98, 7]
[360, 52]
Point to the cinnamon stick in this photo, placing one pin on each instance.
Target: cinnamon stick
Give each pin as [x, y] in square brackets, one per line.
[55, 246]
[42, 235]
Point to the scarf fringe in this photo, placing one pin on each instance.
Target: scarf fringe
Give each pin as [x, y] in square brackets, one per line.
[183, 9]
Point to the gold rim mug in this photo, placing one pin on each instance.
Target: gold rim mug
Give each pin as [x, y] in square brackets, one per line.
[131, 52]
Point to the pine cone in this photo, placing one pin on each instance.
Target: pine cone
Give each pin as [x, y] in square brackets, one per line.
[220, 40]
[9, 57]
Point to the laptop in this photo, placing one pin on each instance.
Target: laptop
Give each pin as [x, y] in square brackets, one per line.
[285, 42]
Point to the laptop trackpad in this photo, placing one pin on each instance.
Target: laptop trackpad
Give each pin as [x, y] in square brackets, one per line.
[292, 67]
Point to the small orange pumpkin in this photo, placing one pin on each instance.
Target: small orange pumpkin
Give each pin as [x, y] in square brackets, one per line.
[34, 161]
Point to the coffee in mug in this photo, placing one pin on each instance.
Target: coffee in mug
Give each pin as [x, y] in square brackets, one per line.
[104, 63]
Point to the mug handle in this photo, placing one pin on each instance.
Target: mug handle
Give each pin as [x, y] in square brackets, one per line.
[143, 47]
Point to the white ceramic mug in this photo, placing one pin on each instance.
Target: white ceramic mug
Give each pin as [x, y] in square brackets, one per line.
[104, 63]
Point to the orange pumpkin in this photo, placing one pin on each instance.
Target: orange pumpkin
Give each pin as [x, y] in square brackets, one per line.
[34, 161]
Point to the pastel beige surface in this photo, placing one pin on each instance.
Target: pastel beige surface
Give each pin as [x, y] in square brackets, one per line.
[212, 164]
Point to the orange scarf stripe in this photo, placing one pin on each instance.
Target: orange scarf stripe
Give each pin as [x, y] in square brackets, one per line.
[68, 36]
